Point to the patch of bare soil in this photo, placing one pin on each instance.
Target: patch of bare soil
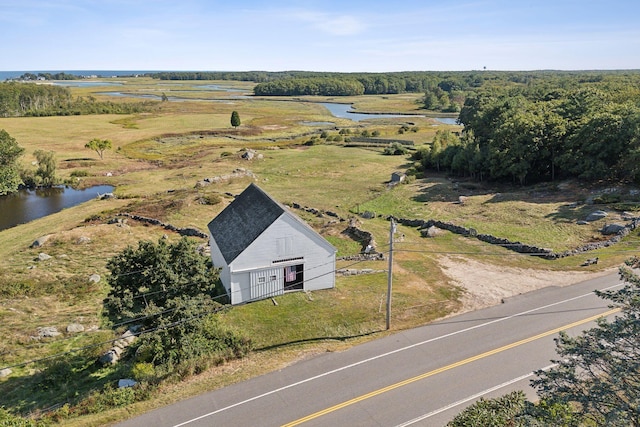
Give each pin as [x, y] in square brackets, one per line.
[486, 284]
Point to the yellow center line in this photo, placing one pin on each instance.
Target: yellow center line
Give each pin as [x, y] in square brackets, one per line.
[446, 368]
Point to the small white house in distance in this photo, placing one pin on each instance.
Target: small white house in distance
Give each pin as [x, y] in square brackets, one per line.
[263, 249]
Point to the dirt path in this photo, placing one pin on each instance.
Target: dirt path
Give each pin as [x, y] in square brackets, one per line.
[487, 285]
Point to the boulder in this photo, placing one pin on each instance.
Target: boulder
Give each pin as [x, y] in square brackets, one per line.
[48, 331]
[432, 231]
[612, 229]
[596, 215]
[43, 257]
[5, 372]
[109, 358]
[73, 328]
[40, 241]
[83, 240]
[95, 278]
[126, 382]
[368, 215]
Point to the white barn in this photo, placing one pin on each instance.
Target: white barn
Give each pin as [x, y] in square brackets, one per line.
[263, 249]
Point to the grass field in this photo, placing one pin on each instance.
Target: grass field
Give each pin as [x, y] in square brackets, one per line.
[158, 158]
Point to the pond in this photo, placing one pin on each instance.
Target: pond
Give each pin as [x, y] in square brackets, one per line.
[26, 205]
[447, 120]
[345, 111]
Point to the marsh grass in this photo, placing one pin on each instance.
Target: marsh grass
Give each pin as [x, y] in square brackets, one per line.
[157, 160]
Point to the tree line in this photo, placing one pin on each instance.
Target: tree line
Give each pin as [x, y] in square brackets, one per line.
[27, 99]
[530, 134]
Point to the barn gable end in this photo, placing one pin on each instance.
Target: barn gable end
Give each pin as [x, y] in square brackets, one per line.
[263, 249]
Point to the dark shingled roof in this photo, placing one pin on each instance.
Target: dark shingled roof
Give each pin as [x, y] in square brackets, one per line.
[246, 218]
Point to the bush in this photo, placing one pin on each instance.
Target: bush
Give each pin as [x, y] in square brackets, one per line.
[605, 199]
[111, 397]
[395, 149]
[501, 411]
[143, 371]
[79, 173]
[202, 340]
[210, 199]
[8, 419]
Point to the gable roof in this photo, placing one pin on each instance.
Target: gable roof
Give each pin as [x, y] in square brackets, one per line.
[243, 220]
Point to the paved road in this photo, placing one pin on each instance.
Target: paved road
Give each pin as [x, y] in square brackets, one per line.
[419, 377]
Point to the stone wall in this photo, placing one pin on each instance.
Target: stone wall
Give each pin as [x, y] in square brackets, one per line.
[518, 246]
[188, 231]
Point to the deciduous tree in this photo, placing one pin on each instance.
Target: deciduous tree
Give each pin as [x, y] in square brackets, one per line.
[46, 171]
[10, 152]
[171, 291]
[99, 146]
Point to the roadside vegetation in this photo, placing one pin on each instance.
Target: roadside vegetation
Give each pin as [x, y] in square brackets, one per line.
[159, 158]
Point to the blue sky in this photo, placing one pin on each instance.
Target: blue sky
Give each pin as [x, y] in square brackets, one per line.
[344, 35]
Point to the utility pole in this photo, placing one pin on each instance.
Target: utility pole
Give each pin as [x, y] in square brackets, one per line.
[392, 229]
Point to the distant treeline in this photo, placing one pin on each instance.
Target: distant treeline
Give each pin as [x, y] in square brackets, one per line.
[535, 133]
[49, 76]
[443, 91]
[371, 83]
[28, 99]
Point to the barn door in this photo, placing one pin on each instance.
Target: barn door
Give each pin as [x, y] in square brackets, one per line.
[266, 283]
[294, 277]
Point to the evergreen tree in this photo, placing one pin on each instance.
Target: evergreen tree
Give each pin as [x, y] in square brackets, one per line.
[598, 372]
[235, 119]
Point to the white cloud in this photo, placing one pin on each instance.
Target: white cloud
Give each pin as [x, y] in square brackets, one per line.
[338, 25]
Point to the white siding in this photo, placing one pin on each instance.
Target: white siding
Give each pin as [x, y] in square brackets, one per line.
[267, 283]
[285, 239]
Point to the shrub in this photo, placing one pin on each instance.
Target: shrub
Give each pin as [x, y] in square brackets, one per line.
[8, 419]
[111, 397]
[210, 199]
[202, 338]
[604, 199]
[395, 149]
[143, 371]
[79, 173]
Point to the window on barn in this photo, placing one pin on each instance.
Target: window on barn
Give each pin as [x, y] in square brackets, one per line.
[284, 246]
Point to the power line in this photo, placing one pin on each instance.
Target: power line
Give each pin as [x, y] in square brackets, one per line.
[170, 310]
